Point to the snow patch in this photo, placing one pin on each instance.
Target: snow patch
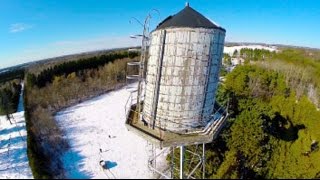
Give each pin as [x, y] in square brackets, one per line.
[97, 134]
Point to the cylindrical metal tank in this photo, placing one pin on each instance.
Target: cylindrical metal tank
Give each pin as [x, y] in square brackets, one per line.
[183, 72]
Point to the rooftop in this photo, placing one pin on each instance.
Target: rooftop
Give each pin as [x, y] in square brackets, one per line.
[188, 17]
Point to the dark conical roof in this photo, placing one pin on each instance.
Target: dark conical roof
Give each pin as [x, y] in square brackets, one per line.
[188, 17]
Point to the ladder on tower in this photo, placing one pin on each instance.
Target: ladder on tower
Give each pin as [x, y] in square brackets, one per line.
[131, 78]
[133, 86]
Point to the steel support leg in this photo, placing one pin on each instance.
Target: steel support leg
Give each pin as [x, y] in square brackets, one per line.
[203, 160]
[181, 161]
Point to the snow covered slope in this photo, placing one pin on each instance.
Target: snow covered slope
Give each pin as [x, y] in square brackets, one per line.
[96, 131]
[231, 49]
[13, 146]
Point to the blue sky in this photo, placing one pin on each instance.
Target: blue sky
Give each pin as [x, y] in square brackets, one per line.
[37, 29]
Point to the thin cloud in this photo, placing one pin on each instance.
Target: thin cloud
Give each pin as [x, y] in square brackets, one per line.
[19, 27]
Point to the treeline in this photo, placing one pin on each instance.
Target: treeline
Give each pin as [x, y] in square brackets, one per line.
[301, 69]
[60, 87]
[256, 54]
[9, 97]
[270, 133]
[79, 66]
[11, 75]
[245, 56]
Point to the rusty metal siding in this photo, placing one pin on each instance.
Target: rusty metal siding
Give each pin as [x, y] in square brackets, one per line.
[189, 76]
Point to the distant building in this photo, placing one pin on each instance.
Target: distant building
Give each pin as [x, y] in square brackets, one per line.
[237, 61]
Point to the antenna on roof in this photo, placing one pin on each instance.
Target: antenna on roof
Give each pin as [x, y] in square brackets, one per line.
[187, 4]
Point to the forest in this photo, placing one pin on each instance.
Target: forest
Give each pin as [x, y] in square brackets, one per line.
[271, 133]
[10, 89]
[9, 96]
[11, 75]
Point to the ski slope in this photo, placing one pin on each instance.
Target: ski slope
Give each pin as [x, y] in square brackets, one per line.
[231, 49]
[14, 162]
[96, 132]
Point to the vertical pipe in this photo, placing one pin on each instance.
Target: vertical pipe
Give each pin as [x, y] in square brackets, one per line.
[207, 81]
[158, 78]
[141, 71]
[203, 160]
[181, 161]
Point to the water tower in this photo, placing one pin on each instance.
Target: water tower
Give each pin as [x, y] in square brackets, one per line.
[176, 92]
